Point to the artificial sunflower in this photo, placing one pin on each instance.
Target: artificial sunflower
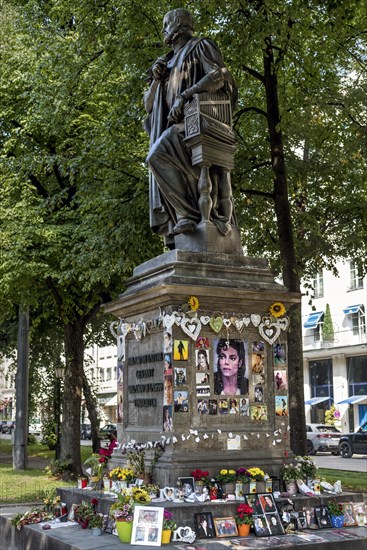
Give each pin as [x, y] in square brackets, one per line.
[193, 303]
[277, 309]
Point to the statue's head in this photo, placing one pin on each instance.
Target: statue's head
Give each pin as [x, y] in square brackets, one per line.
[176, 23]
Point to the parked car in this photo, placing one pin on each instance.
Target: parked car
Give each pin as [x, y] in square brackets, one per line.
[2, 423]
[322, 438]
[85, 431]
[35, 427]
[8, 427]
[107, 429]
[354, 443]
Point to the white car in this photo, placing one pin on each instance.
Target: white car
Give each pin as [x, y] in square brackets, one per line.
[35, 428]
[322, 438]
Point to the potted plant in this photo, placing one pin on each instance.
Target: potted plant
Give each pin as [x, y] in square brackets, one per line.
[123, 510]
[308, 468]
[95, 524]
[336, 513]
[244, 519]
[242, 482]
[227, 480]
[290, 473]
[122, 477]
[96, 465]
[169, 525]
[256, 476]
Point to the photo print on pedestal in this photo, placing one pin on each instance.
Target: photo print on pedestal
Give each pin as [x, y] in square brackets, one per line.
[188, 487]
[244, 406]
[167, 418]
[181, 350]
[281, 405]
[167, 364]
[223, 406]
[213, 406]
[147, 526]
[310, 517]
[167, 342]
[280, 380]
[279, 355]
[230, 367]
[258, 347]
[202, 406]
[181, 403]
[180, 376]
[202, 360]
[202, 378]
[167, 390]
[259, 412]
[322, 517]
[225, 527]
[202, 342]
[257, 363]
[233, 406]
[259, 394]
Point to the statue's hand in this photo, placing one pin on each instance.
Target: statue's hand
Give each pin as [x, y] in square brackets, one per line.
[176, 114]
[159, 68]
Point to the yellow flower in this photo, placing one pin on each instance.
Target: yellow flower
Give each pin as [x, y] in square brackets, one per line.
[231, 472]
[277, 309]
[193, 303]
[223, 472]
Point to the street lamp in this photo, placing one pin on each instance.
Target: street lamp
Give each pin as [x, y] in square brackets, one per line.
[59, 374]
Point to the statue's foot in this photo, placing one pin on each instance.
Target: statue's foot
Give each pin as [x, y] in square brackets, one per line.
[184, 226]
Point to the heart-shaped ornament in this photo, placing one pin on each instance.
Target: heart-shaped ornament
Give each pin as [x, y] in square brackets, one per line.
[191, 327]
[178, 317]
[168, 493]
[269, 333]
[168, 321]
[125, 328]
[226, 322]
[205, 319]
[283, 323]
[149, 326]
[216, 323]
[238, 324]
[255, 319]
[246, 321]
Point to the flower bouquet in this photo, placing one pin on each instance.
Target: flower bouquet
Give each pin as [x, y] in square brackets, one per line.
[335, 508]
[308, 466]
[96, 465]
[84, 513]
[30, 517]
[291, 472]
[200, 475]
[122, 474]
[255, 474]
[242, 475]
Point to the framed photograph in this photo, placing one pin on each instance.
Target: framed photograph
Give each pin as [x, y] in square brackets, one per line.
[230, 360]
[254, 502]
[259, 412]
[267, 503]
[310, 518]
[259, 394]
[260, 526]
[202, 391]
[301, 521]
[180, 376]
[202, 378]
[204, 526]
[213, 406]
[322, 517]
[257, 347]
[349, 517]
[188, 486]
[167, 418]
[147, 526]
[110, 525]
[359, 509]
[223, 406]
[274, 524]
[71, 514]
[225, 527]
[257, 363]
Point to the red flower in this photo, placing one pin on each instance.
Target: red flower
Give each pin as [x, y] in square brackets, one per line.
[102, 460]
[94, 501]
[199, 475]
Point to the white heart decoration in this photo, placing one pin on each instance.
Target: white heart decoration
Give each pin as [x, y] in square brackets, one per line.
[168, 321]
[178, 317]
[283, 323]
[168, 493]
[191, 327]
[255, 319]
[246, 321]
[125, 328]
[226, 322]
[269, 333]
[205, 319]
[239, 324]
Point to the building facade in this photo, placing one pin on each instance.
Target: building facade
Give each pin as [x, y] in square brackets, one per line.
[335, 347]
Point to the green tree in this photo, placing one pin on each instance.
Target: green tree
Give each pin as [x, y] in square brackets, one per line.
[327, 327]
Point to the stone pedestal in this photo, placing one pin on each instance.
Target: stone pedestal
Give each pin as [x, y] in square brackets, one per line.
[168, 397]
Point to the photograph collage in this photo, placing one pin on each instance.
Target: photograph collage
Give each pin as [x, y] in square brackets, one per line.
[266, 516]
[229, 376]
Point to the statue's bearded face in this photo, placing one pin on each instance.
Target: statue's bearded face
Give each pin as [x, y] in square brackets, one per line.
[171, 28]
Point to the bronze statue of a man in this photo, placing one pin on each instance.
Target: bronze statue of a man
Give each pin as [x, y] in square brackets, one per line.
[193, 66]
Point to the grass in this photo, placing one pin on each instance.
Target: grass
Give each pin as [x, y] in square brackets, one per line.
[28, 485]
[351, 481]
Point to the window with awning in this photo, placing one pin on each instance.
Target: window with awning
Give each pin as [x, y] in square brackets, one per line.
[353, 309]
[353, 400]
[316, 400]
[313, 320]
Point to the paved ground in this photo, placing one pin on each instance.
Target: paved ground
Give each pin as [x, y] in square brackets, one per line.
[358, 463]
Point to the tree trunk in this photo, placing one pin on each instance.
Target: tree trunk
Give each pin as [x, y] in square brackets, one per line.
[288, 256]
[92, 413]
[73, 384]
